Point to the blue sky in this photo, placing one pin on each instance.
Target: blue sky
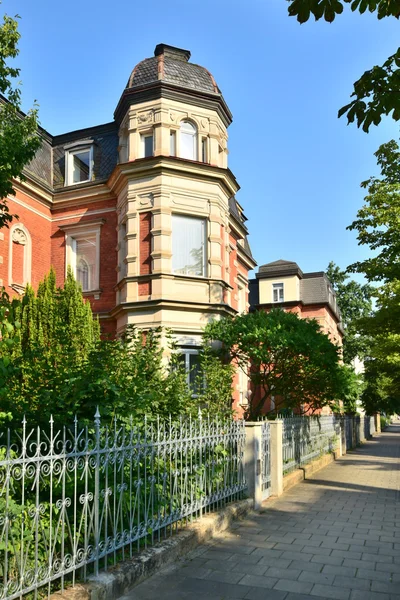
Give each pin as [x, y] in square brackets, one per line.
[298, 165]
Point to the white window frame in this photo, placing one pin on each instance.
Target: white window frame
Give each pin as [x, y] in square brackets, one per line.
[69, 167]
[143, 137]
[195, 136]
[187, 352]
[74, 233]
[203, 221]
[279, 288]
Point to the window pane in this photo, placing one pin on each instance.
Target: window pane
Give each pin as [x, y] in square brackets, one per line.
[195, 370]
[188, 245]
[204, 150]
[172, 143]
[277, 292]
[148, 145]
[86, 262]
[188, 149]
[80, 166]
[188, 141]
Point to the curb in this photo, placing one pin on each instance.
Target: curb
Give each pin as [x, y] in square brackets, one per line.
[121, 578]
[303, 472]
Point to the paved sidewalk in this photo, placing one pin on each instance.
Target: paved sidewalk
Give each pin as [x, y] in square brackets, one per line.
[336, 535]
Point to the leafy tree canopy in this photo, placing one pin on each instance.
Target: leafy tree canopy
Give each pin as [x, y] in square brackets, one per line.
[287, 357]
[18, 133]
[378, 227]
[376, 93]
[354, 301]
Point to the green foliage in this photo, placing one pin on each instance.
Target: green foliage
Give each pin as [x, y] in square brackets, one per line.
[18, 133]
[215, 384]
[290, 358]
[376, 93]
[378, 227]
[58, 366]
[352, 387]
[354, 301]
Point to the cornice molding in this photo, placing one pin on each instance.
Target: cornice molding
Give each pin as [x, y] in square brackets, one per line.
[185, 168]
[160, 89]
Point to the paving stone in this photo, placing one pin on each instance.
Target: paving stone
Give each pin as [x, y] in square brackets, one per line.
[323, 578]
[340, 571]
[283, 573]
[261, 594]
[327, 591]
[363, 595]
[302, 565]
[258, 581]
[287, 585]
[375, 575]
[353, 583]
[359, 564]
[327, 560]
[346, 554]
[267, 561]
[376, 558]
[202, 586]
[224, 577]
[386, 587]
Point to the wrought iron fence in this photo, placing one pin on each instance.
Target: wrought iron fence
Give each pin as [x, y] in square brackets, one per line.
[265, 459]
[305, 438]
[75, 500]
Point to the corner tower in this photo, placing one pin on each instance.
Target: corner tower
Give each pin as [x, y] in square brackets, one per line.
[183, 256]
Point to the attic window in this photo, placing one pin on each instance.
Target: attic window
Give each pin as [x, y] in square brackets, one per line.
[277, 292]
[79, 165]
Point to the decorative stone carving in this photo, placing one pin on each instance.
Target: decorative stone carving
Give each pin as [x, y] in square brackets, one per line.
[146, 117]
[19, 236]
[204, 123]
[172, 116]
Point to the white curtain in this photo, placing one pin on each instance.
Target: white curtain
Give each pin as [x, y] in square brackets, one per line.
[188, 245]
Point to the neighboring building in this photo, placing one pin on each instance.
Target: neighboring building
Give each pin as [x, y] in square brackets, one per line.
[282, 284]
[142, 208]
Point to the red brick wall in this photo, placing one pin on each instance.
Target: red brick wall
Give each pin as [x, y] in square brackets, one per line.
[36, 219]
[108, 245]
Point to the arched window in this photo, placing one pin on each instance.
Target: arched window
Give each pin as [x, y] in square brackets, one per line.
[82, 274]
[188, 141]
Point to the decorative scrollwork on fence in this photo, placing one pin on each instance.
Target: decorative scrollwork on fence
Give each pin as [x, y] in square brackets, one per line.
[77, 499]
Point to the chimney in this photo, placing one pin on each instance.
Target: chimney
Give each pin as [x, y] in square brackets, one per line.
[172, 52]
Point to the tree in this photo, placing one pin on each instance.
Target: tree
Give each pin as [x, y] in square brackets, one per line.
[18, 133]
[287, 357]
[354, 302]
[378, 227]
[376, 93]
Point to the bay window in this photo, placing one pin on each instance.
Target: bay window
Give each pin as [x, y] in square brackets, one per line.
[189, 246]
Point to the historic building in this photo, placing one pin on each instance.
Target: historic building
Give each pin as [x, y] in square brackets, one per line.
[282, 284]
[142, 208]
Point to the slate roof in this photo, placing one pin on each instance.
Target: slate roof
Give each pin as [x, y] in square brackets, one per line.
[239, 216]
[105, 152]
[170, 65]
[280, 267]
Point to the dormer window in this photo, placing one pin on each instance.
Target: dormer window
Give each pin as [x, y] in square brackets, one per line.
[277, 292]
[78, 164]
[188, 140]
